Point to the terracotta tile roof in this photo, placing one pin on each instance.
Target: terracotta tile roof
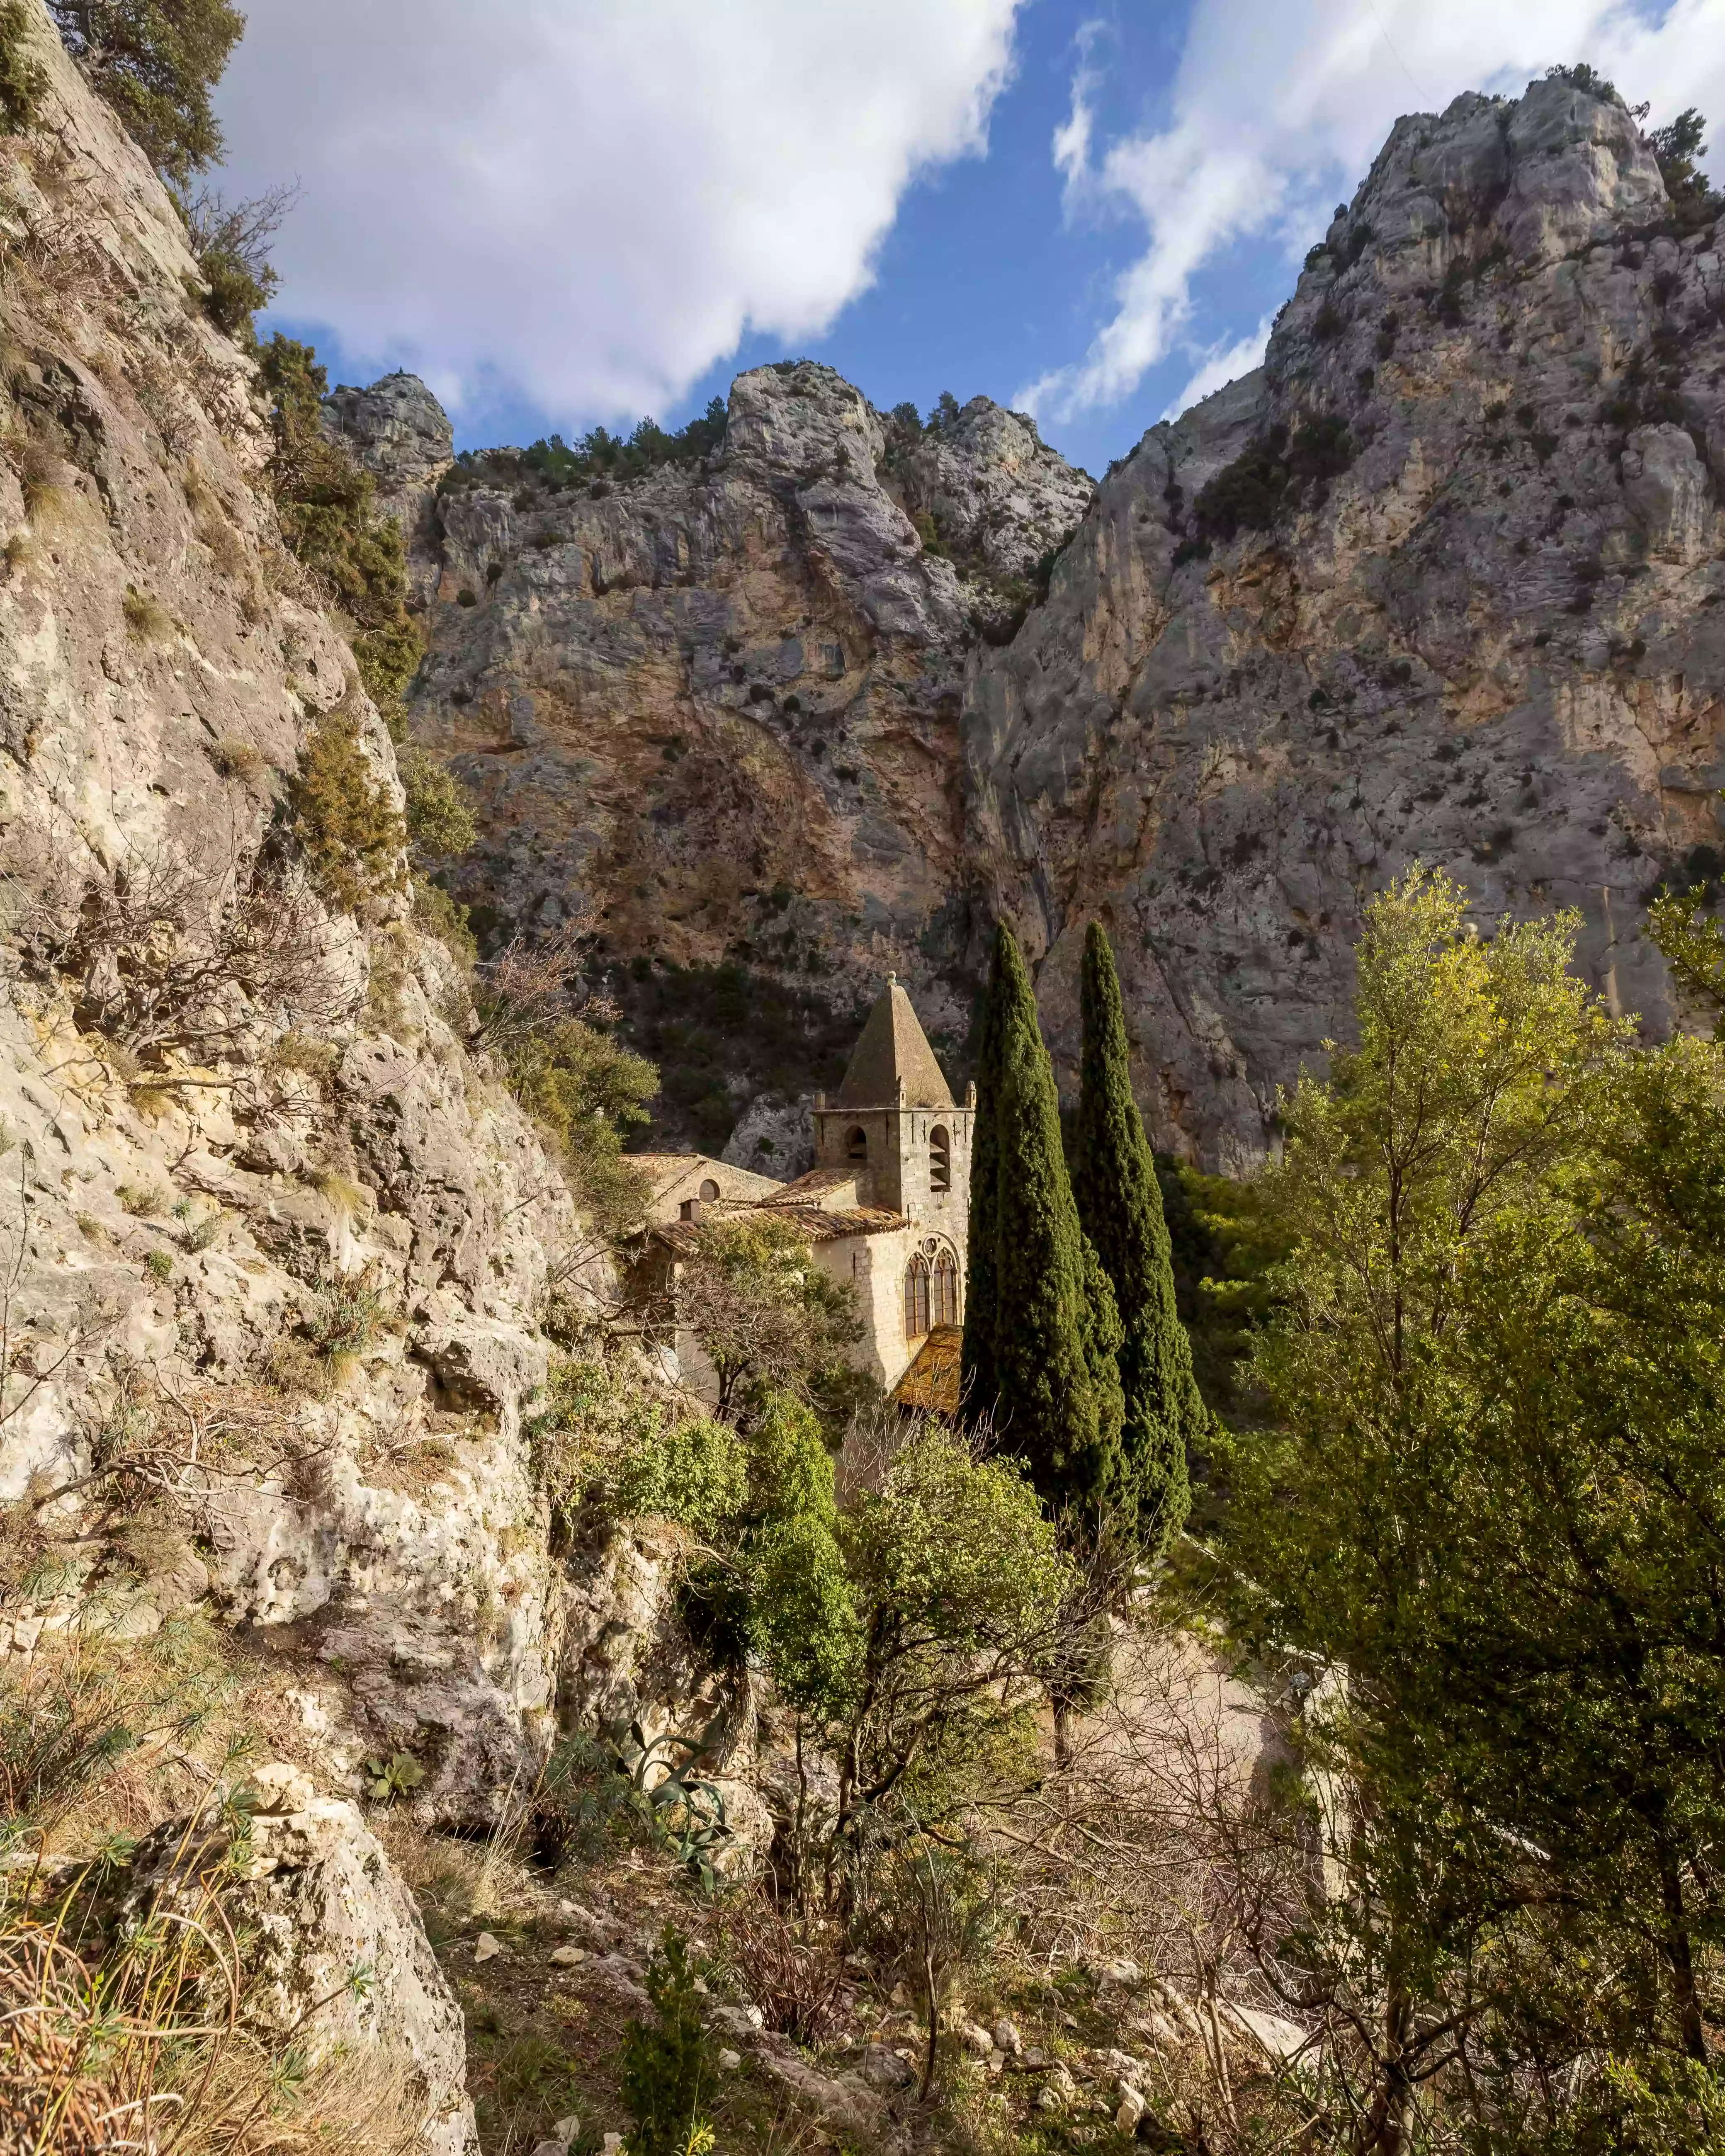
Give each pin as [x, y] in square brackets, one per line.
[815, 1221]
[809, 1190]
[931, 1384]
[892, 1047]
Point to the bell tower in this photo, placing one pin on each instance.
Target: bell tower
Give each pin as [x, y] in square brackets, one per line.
[895, 1124]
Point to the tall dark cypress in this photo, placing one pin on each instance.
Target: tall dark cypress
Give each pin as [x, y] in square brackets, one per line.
[1049, 1408]
[1120, 1203]
[978, 1379]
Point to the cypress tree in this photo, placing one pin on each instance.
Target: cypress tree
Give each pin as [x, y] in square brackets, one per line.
[1049, 1346]
[1120, 1203]
[978, 1382]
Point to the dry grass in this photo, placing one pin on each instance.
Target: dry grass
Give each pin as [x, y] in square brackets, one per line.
[147, 617]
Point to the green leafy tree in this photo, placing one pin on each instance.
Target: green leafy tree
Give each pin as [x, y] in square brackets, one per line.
[1057, 1402]
[769, 1318]
[1493, 1507]
[802, 1619]
[1119, 1203]
[157, 62]
[957, 1580]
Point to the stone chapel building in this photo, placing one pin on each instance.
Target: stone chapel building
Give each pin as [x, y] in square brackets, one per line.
[885, 1208]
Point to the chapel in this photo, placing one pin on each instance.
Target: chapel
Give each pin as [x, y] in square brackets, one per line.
[885, 1208]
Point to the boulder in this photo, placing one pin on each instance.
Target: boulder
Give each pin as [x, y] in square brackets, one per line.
[317, 1898]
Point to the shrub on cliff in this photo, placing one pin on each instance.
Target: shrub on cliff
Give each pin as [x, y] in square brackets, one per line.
[231, 241]
[1276, 471]
[324, 500]
[22, 78]
[350, 832]
[157, 62]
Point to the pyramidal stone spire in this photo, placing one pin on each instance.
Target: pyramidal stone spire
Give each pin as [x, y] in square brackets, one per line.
[893, 1064]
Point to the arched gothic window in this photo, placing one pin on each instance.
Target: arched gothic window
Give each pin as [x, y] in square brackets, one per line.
[917, 1298]
[944, 1302]
[940, 1159]
[856, 1146]
[709, 1191]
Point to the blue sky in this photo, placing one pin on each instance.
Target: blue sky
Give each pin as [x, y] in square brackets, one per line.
[570, 212]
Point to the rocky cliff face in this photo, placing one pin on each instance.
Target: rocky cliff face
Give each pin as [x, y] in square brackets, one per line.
[721, 705]
[1437, 582]
[271, 1242]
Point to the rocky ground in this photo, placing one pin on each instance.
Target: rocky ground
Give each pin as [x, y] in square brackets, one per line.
[770, 713]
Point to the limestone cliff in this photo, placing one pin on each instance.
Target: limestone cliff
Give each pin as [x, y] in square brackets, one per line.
[271, 1241]
[721, 704]
[1437, 581]
[1440, 582]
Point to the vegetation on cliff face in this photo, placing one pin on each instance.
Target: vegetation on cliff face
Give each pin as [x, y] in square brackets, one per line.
[157, 62]
[598, 460]
[325, 498]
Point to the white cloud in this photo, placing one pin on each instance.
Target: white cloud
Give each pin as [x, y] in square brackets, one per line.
[1278, 108]
[588, 203]
[1223, 363]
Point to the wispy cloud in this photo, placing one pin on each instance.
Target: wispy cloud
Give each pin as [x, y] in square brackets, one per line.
[589, 205]
[1223, 363]
[1277, 109]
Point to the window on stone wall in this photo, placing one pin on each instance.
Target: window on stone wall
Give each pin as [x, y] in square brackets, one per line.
[944, 1308]
[709, 1190]
[916, 1299]
[940, 1159]
[856, 1146]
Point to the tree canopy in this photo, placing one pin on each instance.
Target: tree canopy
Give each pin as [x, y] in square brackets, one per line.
[157, 62]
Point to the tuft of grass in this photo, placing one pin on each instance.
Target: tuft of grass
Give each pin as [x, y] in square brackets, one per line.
[202, 1233]
[160, 1264]
[143, 1201]
[238, 760]
[147, 617]
[347, 1316]
[346, 1195]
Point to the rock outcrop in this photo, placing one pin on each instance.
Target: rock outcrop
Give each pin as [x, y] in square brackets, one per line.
[263, 1221]
[401, 436]
[337, 1962]
[1438, 582]
[719, 705]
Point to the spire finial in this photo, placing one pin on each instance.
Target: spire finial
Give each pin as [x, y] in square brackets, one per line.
[892, 979]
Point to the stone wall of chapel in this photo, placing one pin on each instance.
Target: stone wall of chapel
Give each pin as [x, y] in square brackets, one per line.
[873, 1268]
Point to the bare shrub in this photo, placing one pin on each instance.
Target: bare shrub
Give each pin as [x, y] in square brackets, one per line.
[180, 1450]
[792, 1967]
[530, 987]
[174, 955]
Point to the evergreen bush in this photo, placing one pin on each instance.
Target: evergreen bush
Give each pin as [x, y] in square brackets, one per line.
[325, 500]
[157, 62]
[350, 833]
[664, 2073]
[23, 78]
